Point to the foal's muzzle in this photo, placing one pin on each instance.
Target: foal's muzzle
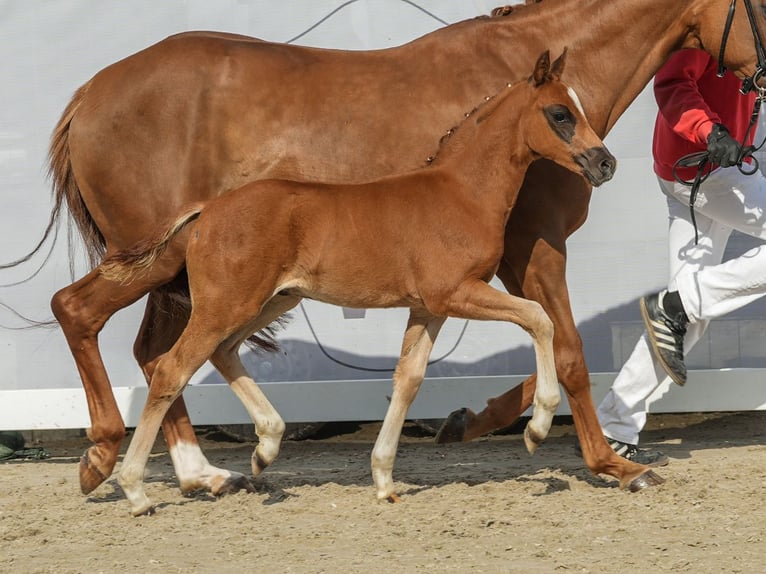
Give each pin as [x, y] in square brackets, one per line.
[597, 165]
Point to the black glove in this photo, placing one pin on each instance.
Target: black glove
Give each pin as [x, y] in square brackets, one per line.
[721, 147]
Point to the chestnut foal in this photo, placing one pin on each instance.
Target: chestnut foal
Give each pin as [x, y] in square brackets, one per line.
[429, 240]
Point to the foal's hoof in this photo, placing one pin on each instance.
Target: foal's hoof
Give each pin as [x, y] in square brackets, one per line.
[532, 440]
[234, 483]
[150, 511]
[91, 476]
[453, 429]
[649, 478]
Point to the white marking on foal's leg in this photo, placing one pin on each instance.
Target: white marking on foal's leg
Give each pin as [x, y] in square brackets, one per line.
[131, 475]
[418, 341]
[269, 426]
[384, 451]
[194, 472]
[547, 394]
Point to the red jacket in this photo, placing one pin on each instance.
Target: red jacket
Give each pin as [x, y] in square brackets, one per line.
[691, 98]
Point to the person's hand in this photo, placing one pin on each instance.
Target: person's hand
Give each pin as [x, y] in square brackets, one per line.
[721, 147]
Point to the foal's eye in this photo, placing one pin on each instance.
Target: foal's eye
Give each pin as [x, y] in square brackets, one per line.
[559, 117]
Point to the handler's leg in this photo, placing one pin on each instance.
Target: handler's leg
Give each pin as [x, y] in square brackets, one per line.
[738, 202]
[623, 411]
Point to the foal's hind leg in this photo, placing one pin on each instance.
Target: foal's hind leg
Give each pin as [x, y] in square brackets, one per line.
[269, 426]
[478, 300]
[422, 329]
[172, 372]
[163, 323]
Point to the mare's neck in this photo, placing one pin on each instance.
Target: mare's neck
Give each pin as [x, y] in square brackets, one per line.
[612, 57]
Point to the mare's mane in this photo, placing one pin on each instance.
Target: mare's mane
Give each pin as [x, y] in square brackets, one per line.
[501, 11]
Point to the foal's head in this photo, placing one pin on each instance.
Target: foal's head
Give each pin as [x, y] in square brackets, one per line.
[554, 125]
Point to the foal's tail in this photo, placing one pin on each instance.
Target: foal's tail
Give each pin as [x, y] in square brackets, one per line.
[124, 265]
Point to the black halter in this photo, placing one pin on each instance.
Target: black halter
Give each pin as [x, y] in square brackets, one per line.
[750, 83]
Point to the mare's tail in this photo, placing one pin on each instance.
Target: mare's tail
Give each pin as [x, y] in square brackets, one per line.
[123, 265]
[66, 191]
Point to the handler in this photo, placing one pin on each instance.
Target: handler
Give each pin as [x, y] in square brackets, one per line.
[698, 111]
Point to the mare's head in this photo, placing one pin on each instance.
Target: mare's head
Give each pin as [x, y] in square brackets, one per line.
[554, 125]
[730, 29]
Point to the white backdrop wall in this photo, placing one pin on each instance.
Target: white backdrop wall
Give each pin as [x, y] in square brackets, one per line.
[51, 48]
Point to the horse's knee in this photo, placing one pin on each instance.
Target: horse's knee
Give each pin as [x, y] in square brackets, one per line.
[541, 322]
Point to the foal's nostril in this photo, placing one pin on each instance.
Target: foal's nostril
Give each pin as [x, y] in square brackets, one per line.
[608, 165]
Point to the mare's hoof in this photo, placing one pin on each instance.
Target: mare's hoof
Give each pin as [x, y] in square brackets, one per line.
[649, 478]
[453, 429]
[90, 475]
[235, 483]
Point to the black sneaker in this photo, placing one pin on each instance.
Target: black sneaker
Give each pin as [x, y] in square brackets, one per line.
[666, 335]
[632, 453]
[638, 455]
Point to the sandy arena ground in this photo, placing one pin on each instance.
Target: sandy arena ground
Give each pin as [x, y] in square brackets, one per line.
[485, 506]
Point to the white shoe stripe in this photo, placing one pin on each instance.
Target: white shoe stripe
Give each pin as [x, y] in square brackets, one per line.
[666, 346]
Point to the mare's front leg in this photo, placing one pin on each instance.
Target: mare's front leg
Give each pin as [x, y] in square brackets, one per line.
[82, 309]
[422, 329]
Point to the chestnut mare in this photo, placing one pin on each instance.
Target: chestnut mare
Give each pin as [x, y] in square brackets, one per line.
[429, 240]
[202, 113]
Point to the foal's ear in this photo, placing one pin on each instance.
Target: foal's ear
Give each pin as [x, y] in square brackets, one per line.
[558, 66]
[542, 68]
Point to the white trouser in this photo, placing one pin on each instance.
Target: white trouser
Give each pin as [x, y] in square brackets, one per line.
[726, 200]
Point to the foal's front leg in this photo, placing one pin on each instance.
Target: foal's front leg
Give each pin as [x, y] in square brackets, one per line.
[422, 329]
[478, 300]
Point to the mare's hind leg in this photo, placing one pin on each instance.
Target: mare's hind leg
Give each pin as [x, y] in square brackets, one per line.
[478, 300]
[422, 329]
[269, 426]
[164, 321]
[82, 309]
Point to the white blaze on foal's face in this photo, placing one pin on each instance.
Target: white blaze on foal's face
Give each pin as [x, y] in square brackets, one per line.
[575, 99]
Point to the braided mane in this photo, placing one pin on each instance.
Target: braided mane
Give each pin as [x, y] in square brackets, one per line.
[507, 9]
